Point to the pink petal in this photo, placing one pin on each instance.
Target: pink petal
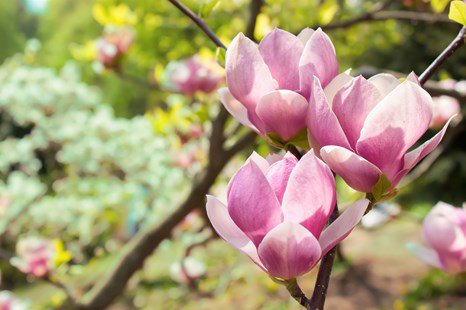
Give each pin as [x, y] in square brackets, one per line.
[283, 112]
[310, 195]
[352, 104]
[343, 225]
[425, 254]
[279, 173]
[393, 126]
[413, 157]
[441, 233]
[289, 250]
[260, 161]
[281, 51]
[336, 84]
[305, 35]
[273, 158]
[252, 204]
[412, 77]
[248, 77]
[385, 83]
[323, 126]
[318, 59]
[218, 215]
[357, 172]
[236, 109]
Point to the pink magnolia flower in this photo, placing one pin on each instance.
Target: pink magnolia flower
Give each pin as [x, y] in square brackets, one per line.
[269, 84]
[34, 256]
[191, 75]
[366, 127]
[444, 230]
[444, 107]
[276, 213]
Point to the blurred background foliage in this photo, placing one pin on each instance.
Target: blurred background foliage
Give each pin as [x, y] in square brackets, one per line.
[99, 161]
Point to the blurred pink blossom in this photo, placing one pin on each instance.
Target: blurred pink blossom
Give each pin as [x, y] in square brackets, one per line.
[276, 213]
[444, 230]
[34, 256]
[444, 107]
[193, 75]
[191, 269]
[114, 43]
[8, 301]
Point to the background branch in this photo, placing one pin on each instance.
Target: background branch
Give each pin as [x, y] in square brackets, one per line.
[199, 22]
[457, 42]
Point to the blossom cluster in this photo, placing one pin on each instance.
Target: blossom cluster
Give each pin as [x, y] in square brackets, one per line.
[288, 89]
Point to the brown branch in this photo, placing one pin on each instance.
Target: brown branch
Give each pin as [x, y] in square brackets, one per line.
[145, 242]
[291, 148]
[296, 292]
[199, 22]
[457, 42]
[379, 13]
[255, 7]
[319, 295]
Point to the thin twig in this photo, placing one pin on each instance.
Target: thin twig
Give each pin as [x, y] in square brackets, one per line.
[199, 22]
[323, 277]
[296, 292]
[457, 42]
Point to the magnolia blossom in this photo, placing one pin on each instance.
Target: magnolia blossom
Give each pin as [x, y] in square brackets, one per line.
[114, 43]
[191, 75]
[192, 269]
[35, 256]
[269, 84]
[276, 213]
[444, 230]
[366, 127]
[444, 107]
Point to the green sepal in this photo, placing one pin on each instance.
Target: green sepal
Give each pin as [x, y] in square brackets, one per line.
[220, 55]
[380, 192]
[299, 140]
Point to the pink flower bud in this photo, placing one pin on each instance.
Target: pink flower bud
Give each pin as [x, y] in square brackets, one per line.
[269, 84]
[444, 107]
[365, 128]
[444, 231]
[35, 256]
[270, 218]
[192, 75]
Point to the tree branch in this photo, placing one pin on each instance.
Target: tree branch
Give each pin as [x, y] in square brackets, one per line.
[457, 42]
[319, 295]
[146, 241]
[199, 22]
[255, 7]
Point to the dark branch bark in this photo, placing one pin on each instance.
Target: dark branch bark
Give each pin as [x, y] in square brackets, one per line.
[319, 295]
[135, 253]
[457, 42]
[199, 22]
[255, 7]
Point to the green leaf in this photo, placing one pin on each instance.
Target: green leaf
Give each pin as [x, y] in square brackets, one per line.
[379, 189]
[220, 56]
[327, 12]
[458, 12]
[439, 5]
[207, 7]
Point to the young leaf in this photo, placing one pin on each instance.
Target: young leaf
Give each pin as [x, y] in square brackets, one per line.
[439, 5]
[458, 12]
